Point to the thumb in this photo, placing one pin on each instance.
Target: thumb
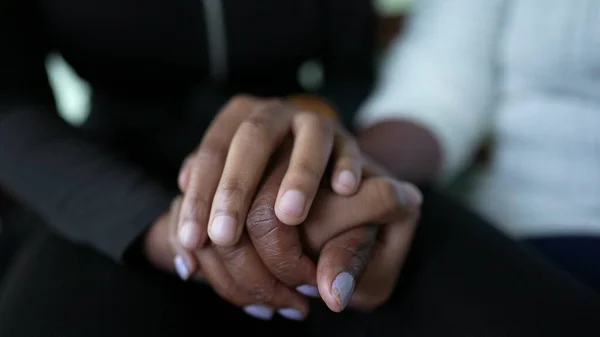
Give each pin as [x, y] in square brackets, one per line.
[342, 263]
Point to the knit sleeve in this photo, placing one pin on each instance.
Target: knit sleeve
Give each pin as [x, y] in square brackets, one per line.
[443, 75]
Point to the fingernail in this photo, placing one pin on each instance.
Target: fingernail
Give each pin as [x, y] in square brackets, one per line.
[189, 234]
[409, 193]
[292, 203]
[347, 180]
[291, 313]
[308, 290]
[181, 267]
[223, 230]
[342, 288]
[259, 311]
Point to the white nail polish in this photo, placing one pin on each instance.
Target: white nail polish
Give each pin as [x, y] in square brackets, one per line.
[308, 290]
[343, 288]
[181, 267]
[290, 313]
[259, 311]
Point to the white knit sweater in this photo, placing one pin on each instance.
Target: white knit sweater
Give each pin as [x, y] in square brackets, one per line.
[528, 71]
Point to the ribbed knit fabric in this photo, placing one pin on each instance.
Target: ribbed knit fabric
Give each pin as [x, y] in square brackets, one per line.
[528, 71]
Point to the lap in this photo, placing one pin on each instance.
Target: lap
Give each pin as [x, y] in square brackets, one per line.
[462, 278]
[579, 255]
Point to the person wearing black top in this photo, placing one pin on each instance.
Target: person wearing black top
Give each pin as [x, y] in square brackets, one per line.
[160, 71]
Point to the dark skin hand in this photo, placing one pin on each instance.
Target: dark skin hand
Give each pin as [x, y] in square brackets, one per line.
[409, 151]
[269, 261]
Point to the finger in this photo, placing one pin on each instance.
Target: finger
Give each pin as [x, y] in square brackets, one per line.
[183, 178]
[342, 263]
[381, 275]
[206, 168]
[224, 285]
[218, 277]
[184, 262]
[378, 200]
[278, 245]
[313, 143]
[348, 162]
[261, 288]
[254, 143]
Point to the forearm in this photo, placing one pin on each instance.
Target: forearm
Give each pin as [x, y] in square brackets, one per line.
[82, 191]
[410, 151]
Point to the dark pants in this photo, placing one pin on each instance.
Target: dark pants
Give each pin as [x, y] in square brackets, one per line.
[578, 255]
[462, 279]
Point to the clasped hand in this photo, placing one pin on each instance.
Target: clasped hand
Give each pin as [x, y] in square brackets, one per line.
[345, 243]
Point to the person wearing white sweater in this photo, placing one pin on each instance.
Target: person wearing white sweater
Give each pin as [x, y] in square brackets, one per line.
[526, 73]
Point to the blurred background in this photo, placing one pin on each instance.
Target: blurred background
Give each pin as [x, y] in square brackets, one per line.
[72, 93]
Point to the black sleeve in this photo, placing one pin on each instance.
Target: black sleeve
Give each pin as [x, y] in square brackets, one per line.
[348, 57]
[82, 191]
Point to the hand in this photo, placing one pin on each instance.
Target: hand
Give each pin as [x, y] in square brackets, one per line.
[362, 239]
[220, 178]
[235, 273]
[278, 245]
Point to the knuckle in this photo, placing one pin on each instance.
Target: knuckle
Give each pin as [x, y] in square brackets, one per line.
[257, 127]
[286, 266]
[232, 191]
[234, 256]
[261, 221]
[262, 293]
[308, 171]
[195, 203]
[359, 257]
[212, 151]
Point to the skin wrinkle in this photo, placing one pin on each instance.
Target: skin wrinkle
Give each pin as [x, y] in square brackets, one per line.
[361, 253]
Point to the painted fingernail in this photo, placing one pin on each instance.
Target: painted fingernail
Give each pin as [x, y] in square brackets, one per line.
[223, 230]
[346, 180]
[343, 288]
[292, 203]
[181, 267]
[308, 290]
[259, 311]
[189, 234]
[292, 314]
[409, 193]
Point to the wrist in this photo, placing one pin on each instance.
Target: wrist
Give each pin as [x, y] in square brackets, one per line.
[407, 149]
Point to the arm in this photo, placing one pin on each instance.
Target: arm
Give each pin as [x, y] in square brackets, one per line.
[83, 192]
[437, 86]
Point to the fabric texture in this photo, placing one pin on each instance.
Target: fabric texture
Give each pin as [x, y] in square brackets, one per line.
[524, 72]
[159, 72]
[462, 278]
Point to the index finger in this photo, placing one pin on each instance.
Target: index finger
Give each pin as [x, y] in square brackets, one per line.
[202, 172]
